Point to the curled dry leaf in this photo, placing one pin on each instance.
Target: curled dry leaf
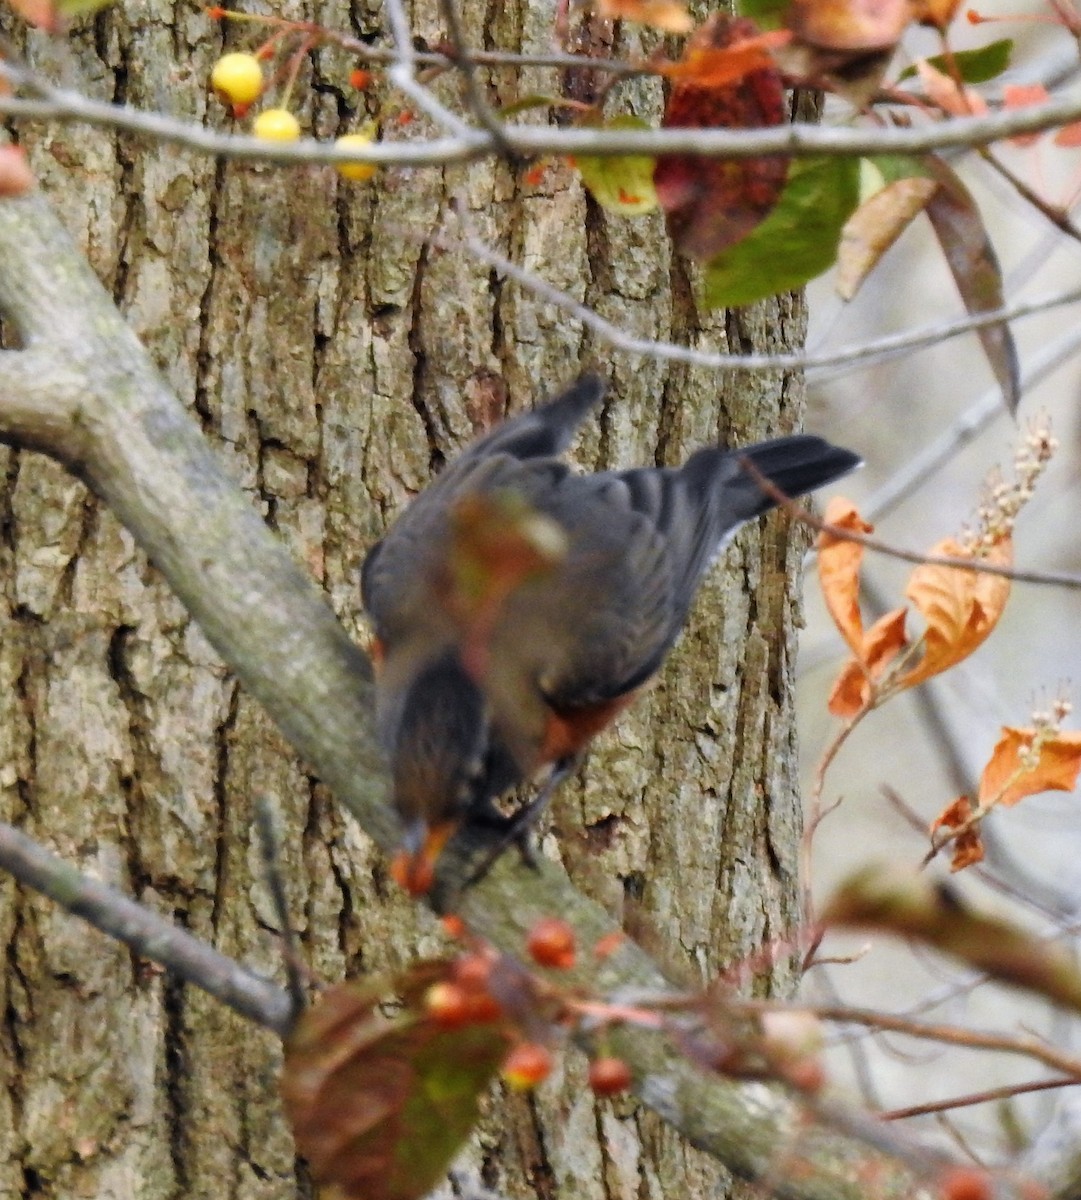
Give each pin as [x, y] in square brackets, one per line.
[875, 226]
[881, 645]
[967, 845]
[1009, 777]
[961, 607]
[726, 79]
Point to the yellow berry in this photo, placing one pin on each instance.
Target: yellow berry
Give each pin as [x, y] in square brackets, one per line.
[237, 78]
[276, 125]
[359, 172]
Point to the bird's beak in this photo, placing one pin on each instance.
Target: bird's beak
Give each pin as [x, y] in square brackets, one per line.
[413, 867]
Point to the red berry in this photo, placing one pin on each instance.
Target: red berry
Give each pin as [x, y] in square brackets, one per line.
[965, 1183]
[453, 925]
[527, 1065]
[412, 872]
[609, 1076]
[448, 1005]
[551, 943]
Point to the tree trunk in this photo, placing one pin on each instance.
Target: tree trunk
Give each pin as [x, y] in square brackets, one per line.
[337, 350]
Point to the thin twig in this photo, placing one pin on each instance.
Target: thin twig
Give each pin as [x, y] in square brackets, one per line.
[985, 1097]
[478, 101]
[144, 932]
[270, 849]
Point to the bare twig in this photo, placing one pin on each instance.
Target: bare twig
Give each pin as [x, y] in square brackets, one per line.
[985, 1097]
[142, 930]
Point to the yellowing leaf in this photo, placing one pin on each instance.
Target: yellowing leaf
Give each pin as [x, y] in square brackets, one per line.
[624, 184]
[1005, 781]
[961, 607]
[667, 15]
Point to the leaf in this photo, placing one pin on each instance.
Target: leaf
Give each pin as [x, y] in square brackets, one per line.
[881, 644]
[1024, 95]
[839, 564]
[967, 846]
[380, 1105]
[974, 66]
[853, 25]
[667, 15]
[726, 79]
[79, 8]
[1006, 780]
[943, 90]
[796, 242]
[769, 14]
[916, 907]
[624, 184]
[938, 13]
[961, 607]
[875, 226]
[971, 258]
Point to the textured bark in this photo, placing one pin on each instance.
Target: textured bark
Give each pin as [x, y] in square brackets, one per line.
[336, 354]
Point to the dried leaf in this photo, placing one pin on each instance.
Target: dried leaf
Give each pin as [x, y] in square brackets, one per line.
[1024, 95]
[961, 607]
[875, 226]
[667, 15]
[942, 90]
[916, 907]
[1005, 781]
[967, 846]
[380, 1105]
[881, 645]
[1069, 136]
[839, 564]
[797, 241]
[934, 12]
[623, 184]
[959, 228]
[724, 80]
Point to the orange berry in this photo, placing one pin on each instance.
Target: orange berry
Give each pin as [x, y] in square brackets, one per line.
[276, 125]
[237, 78]
[551, 943]
[448, 1005]
[965, 1183]
[473, 971]
[453, 925]
[609, 1076]
[360, 79]
[527, 1065]
[358, 172]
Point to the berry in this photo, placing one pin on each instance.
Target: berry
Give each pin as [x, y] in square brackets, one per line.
[358, 172]
[277, 125]
[551, 943]
[409, 871]
[448, 1005]
[965, 1183]
[453, 925]
[237, 78]
[527, 1065]
[609, 1076]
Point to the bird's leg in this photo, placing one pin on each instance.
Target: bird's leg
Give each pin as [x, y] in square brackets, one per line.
[519, 825]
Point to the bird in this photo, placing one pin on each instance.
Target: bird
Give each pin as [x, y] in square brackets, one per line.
[475, 695]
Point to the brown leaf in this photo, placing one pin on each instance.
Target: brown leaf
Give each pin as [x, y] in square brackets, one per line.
[959, 228]
[1005, 781]
[881, 645]
[667, 15]
[934, 12]
[967, 846]
[945, 92]
[961, 607]
[875, 226]
[712, 203]
[839, 570]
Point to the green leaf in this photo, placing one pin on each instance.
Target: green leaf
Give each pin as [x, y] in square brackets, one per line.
[796, 242]
[79, 8]
[769, 14]
[621, 185]
[975, 66]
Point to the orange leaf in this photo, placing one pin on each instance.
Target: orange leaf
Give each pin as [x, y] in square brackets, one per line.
[1005, 782]
[1069, 135]
[839, 571]
[667, 15]
[967, 846]
[717, 67]
[934, 12]
[881, 645]
[960, 607]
